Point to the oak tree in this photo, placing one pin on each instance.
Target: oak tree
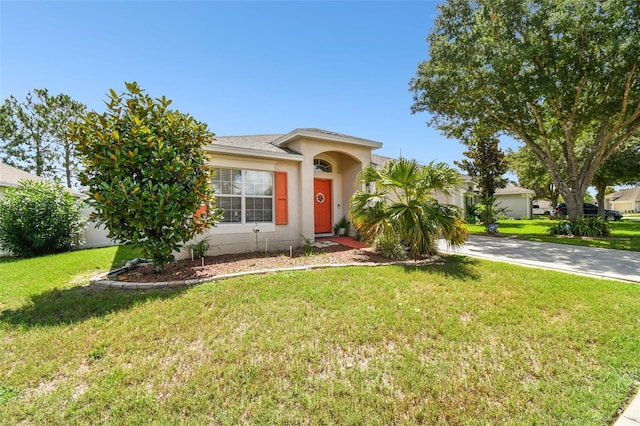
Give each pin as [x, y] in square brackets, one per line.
[547, 73]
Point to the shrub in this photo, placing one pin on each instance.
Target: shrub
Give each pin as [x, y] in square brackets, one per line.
[582, 227]
[38, 218]
[390, 246]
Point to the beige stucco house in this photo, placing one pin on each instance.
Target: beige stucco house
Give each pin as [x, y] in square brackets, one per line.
[625, 201]
[277, 190]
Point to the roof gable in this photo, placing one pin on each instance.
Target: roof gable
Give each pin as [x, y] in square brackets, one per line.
[630, 194]
[324, 135]
[276, 145]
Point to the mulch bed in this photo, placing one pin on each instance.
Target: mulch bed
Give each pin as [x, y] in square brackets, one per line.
[244, 262]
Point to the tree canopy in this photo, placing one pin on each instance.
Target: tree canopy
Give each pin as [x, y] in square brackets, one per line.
[33, 134]
[548, 73]
[145, 169]
[622, 168]
[532, 174]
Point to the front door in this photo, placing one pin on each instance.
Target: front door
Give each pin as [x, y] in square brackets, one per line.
[322, 206]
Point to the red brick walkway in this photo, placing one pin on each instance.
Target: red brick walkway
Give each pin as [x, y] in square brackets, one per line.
[345, 241]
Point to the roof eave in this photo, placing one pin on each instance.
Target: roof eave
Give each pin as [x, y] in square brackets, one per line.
[246, 152]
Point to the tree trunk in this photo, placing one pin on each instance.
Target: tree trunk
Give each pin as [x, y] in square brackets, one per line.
[575, 204]
[600, 198]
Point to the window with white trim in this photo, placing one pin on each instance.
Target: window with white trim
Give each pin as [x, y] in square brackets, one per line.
[245, 196]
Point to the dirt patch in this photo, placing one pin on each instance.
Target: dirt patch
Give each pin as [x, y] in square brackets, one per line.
[244, 262]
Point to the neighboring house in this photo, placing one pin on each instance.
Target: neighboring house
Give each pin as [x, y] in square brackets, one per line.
[11, 176]
[462, 197]
[516, 201]
[625, 201]
[278, 190]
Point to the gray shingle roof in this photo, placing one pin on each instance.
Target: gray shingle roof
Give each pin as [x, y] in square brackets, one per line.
[273, 143]
[255, 142]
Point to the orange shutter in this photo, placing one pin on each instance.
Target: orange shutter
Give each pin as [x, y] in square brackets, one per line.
[282, 202]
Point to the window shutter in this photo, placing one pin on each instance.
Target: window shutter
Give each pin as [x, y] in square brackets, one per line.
[282, 202]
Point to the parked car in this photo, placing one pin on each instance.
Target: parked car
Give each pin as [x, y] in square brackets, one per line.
[536, 209]
[591, 210]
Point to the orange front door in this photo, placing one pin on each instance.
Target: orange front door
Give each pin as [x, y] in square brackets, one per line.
[322, 206]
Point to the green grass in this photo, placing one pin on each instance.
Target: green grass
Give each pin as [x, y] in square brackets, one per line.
[625, 234]
[464, 342]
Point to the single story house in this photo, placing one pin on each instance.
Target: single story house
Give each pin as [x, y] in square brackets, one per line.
[517, 202]
[279, 190]
[625, 201]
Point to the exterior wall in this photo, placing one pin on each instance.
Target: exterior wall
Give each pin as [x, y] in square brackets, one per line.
[95, 235]
[241, 238]
[517, 206]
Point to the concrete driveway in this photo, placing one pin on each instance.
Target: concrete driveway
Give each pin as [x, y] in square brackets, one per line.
[597, 262]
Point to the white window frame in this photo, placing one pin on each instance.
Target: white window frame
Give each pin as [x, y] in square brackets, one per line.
[243, 198]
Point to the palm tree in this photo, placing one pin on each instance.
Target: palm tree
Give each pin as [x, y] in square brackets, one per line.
[401, 206]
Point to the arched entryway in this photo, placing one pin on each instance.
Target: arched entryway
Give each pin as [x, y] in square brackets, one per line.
[334, 182]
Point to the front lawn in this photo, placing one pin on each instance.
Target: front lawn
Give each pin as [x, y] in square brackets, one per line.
[463, 342]
[625, 234]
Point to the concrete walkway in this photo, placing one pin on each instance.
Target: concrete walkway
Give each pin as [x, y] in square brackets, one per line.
[595, 262]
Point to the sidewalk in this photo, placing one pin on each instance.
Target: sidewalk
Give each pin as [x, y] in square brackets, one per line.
[594, 262]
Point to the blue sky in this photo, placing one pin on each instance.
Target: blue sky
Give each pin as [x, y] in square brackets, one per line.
[242, 67]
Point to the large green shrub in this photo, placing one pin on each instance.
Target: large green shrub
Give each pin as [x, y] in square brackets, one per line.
[583, 227]
[145, 168]
[38, 218]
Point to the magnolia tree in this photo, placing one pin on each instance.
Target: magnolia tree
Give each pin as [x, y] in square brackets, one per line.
[560, 76]
[145, 170]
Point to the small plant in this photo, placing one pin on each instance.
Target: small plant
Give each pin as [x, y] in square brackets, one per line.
[590, 227]
[98, 353]
[308, 246]
[471, 213]
[200, 248]
[6, 394]
[390, 246]
[343, 223]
